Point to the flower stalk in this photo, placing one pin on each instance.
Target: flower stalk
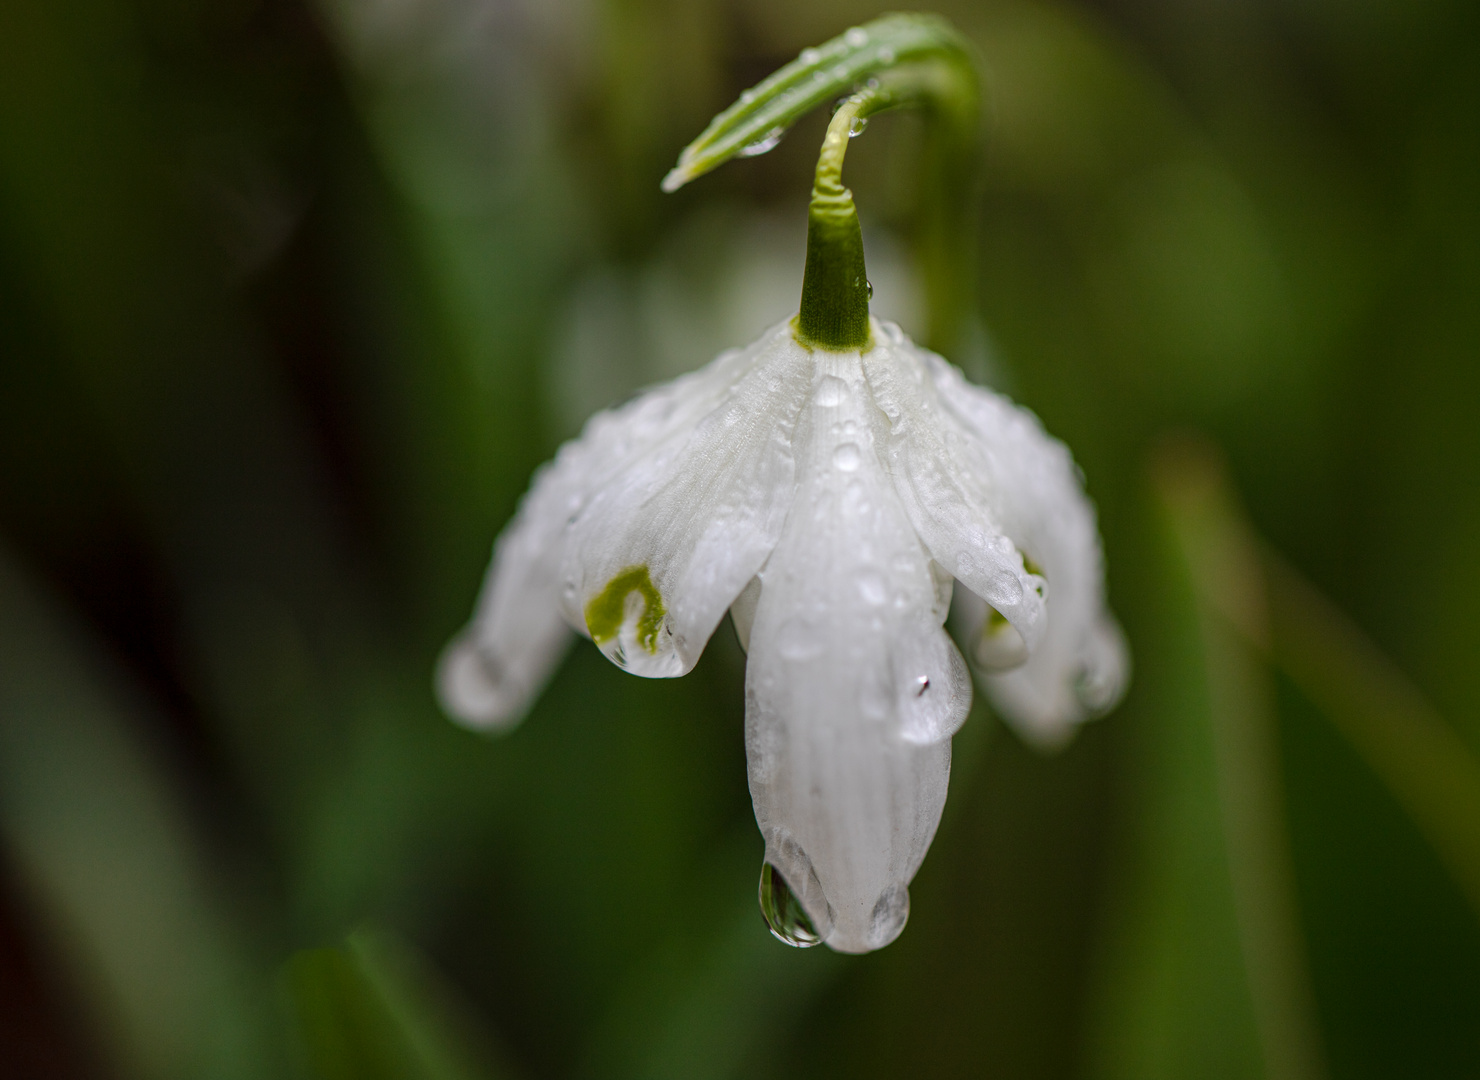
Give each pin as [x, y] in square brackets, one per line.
[905, 60]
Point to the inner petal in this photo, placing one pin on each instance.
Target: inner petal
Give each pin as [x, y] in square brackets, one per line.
[852, 687]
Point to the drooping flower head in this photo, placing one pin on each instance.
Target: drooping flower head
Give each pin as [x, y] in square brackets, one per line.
[829, 486]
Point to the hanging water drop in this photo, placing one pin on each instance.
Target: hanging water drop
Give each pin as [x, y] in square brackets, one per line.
[784, 913]
[856, 128]
[870, 286]
[764, 144]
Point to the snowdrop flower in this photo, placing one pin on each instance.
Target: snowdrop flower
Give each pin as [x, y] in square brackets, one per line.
[829, 486]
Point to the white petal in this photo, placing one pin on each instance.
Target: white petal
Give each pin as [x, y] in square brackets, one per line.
[953, 501]
[666, 544]
[852, 688]
[1079, 667]
[490, 673]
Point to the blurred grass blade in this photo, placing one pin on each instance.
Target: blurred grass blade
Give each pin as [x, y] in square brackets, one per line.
[756, 122]
[713, 997]
[101, 845]
[1423, 761]
[376, 1010]
[1221, 557]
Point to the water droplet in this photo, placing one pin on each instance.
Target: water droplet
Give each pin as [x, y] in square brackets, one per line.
[870, 286]
[821, 77]
[872, 587]
[891, 912]
[847, 457]
[784, 914]
[840, 72]
[831, 390]
[886, 55]
[857, 37]
[809, 56]
[747, 97]
[857, 128]
[764, 144]
[1003, 589]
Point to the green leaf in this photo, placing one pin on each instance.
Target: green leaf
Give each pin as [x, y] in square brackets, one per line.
[376, 1010]
[1209, 974]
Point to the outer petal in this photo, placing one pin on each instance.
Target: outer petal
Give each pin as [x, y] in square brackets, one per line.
[1079, 668]
[665, 545]
[951, 500]
[852, 687]
[492, 670]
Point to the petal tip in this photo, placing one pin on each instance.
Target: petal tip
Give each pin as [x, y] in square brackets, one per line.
[473, 691]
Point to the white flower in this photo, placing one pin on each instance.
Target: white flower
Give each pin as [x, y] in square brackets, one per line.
[828, 500]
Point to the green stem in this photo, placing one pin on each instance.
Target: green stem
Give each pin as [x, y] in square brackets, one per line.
[835, 288]
[898, 60]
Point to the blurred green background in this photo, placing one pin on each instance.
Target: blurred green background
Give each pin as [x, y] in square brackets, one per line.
[293, 298]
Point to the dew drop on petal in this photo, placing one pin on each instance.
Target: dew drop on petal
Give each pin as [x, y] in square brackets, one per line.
[891, 911]
[831, 390]
[847, 456]
[1003, 589]
[784, 913]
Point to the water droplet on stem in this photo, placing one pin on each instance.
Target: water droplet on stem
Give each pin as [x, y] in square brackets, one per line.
[855, 129]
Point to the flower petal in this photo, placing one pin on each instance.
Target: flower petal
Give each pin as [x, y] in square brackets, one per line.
[667, 543]
[852, 688]
[1079, 667]
[491, 671]
[952, 500]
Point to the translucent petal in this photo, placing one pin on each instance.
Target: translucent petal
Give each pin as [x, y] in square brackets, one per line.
[1079, 666]
[665, 545]
[852, 687]
[953, 500]
[491, 671]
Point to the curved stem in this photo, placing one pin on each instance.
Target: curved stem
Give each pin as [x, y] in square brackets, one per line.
[835, 288]
[898, 60]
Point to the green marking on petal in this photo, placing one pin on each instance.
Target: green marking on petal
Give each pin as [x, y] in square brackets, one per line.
[607, 610]
[1031, 567]
[995, 622]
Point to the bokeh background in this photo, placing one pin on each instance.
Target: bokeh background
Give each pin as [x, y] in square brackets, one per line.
[293, 298]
